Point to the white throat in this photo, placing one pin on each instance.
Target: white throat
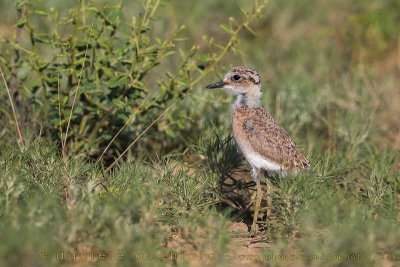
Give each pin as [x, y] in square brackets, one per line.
[247, 100]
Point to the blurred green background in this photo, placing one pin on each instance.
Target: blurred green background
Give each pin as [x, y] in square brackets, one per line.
[330, 75]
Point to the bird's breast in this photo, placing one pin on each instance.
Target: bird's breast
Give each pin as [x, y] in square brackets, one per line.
[238, 117]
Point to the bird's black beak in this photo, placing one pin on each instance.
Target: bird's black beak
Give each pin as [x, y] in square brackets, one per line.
[216, 85]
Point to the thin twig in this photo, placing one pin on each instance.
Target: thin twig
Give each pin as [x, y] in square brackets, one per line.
[120, 130]
[145, 130]
[59, 107]
[13, 109]
[77, 87]
[14, 80]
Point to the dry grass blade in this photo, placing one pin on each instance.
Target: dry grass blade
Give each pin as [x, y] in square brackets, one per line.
[122, 128]
[59, 106]
[13, 109]
[77, 87]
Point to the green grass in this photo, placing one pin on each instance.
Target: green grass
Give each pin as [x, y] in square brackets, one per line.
[141, 207]
[329, 72]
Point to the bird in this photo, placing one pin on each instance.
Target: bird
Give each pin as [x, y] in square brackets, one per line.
[265, 144]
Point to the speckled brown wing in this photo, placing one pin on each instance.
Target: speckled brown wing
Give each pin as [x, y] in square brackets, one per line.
[266, 137]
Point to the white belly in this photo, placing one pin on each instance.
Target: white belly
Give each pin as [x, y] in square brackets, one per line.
[260, 163]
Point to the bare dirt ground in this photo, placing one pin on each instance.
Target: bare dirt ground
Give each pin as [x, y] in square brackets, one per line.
[248, 250]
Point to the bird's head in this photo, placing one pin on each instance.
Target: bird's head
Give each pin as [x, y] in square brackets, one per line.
[240, 80]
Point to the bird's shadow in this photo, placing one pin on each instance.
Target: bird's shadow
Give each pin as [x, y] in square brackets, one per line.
[237, 186]
[238, 193]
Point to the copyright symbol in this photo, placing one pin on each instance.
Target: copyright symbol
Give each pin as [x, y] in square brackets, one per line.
[43, 255]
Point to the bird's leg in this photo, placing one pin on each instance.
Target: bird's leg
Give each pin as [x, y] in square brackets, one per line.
[269, 201]
[255, 176]
[258, 203]
[252, 198]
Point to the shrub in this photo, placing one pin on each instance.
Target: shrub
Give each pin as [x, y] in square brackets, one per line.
[93, 70]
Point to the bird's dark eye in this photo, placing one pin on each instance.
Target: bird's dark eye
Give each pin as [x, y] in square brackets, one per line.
[236, 78]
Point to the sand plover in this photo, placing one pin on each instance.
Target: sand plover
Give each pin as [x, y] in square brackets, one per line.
[264, 143]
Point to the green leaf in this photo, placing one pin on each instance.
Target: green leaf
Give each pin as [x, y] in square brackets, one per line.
[52, 81]
[118, 102]
[123, 117]
[181, 53]
[115, 82]
[170, 132]
[244, 12]
[105, 44]
[205, 58]
[21, 22]
[66, 20]
[89, 85]
[106, 70]
[40, 11]
[20, 4]
[169, 75]
[169, 116]
[83, 123]
[93, 9]
[193, 50]
[113, 15]
[43, 38]
[226, 28]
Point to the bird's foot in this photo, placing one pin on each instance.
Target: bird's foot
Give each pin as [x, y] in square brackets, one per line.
[253, 231]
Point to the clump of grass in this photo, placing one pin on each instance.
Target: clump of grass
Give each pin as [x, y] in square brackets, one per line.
[142, 206]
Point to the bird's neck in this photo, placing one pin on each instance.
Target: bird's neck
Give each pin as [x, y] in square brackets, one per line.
[248, 100]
